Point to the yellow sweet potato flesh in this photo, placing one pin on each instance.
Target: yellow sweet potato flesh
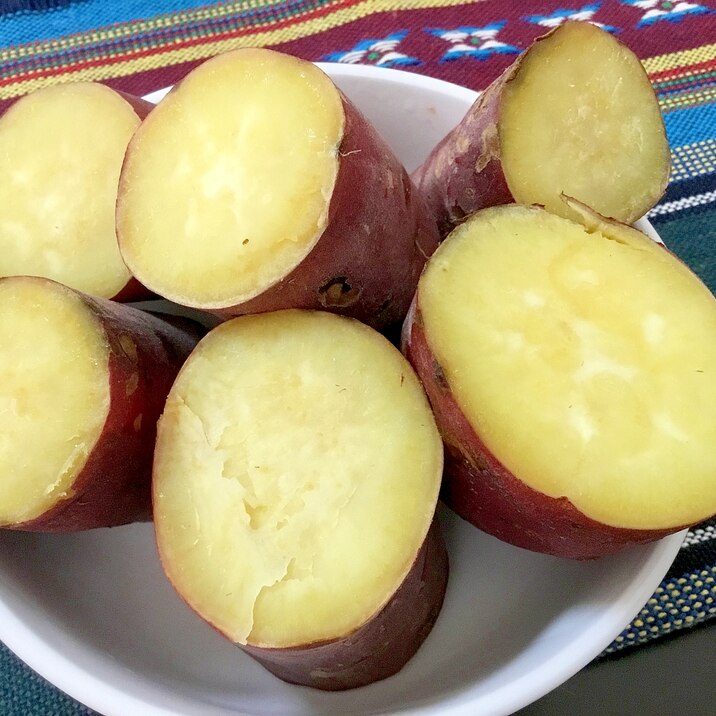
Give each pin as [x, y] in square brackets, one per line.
[61, 150]
[585, 359]
[296, 475]
[231, 176]
[580, 117]
[54, 394]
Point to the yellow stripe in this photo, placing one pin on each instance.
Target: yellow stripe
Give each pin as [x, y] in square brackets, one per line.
[693, 160]
[116, 32]
[215, 11]
[123, 68]
[692, 99]
[205, 50]
[671, 61]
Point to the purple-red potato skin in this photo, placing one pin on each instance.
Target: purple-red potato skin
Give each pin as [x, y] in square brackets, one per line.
[140, 106]
[367, 262]
[133, 290]
[463, 173]
[382, 646]
[114, 486]
[482, 491]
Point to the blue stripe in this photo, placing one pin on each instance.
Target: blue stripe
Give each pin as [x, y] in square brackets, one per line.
[691, 85]
[695, 557]
[31, 26]
[693, 124]
[689, 187]
[562, 12]
[689, 213]
[11, 6]
[672, 16]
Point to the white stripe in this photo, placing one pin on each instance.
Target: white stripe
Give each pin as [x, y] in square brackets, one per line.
[686, 202]
[583, 15]
[461, 47]
[384, 45]
[489, 44]
[484, 34]
[702, 534]
[453, 36]
[353, 56]
[389, 57]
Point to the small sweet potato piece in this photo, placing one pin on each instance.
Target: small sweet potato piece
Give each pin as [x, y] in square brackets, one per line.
[61, 151]
[574, 114]
[84, 381]
[572, 372]
[296, 475]
[270, 190]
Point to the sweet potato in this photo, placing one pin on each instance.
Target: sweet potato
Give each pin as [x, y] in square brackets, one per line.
[296, 475]
[84, 381]
[270, 190]
[61, 150]
[574, 114]
[572, 372]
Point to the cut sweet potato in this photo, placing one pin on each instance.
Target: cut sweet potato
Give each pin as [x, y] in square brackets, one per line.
[269, 190]
[83, 381]
[296, 474]
[572, 372]
[61, 151]
[575, 114]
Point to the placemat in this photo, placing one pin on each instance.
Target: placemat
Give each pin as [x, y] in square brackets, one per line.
[142, 45]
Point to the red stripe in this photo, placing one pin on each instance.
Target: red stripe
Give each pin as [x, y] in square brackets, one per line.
[679, 71]
[127, 23]
[701, 103]
[685, 86]
[136, 54]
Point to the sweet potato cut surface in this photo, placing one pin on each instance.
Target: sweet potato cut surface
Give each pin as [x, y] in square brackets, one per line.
[296, 476]
[61, 151]
[263, 149]
[575, 114]
[570, 363]
[269, 190]
[53, 363]
[581, 117]
[83, 381]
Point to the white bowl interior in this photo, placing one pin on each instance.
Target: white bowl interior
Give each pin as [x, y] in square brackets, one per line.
[93, 613]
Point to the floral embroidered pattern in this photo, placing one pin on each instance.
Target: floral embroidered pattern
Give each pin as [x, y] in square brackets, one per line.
[477, 42]
[560, 16]
[656, 10]
[381, 52]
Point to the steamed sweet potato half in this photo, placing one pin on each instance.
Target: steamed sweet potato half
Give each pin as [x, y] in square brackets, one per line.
[572, 371]
[82, 384]
[574, 114]
[255, 186]
[296, 474]
[61, 151]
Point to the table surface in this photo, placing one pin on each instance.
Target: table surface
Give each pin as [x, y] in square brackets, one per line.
[672, 677]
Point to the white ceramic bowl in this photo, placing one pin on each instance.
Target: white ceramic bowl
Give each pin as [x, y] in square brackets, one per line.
[94, 614]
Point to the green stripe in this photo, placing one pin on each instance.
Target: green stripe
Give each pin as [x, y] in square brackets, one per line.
[685, 80]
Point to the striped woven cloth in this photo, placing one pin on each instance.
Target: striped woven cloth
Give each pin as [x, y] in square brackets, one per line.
[142, 45]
